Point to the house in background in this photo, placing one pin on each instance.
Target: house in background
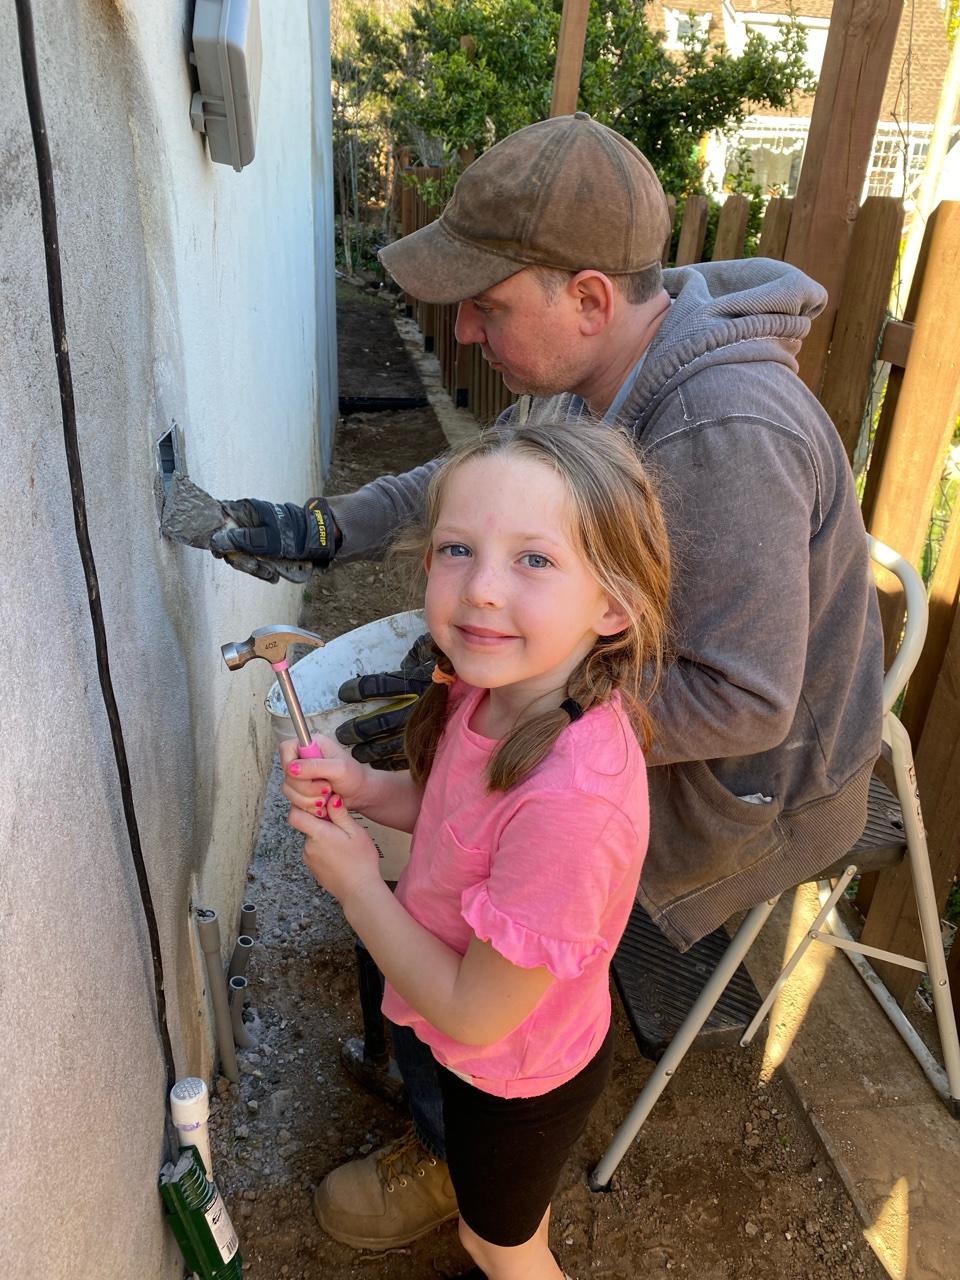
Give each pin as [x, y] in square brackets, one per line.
[197, 300]
[775, 142]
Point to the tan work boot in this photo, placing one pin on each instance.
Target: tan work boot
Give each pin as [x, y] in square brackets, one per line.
[390, 1198]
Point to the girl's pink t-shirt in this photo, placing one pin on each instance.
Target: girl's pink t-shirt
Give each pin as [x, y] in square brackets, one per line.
[546, 873]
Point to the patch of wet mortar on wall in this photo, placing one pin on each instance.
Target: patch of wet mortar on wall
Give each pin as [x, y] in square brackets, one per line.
[727, 1179]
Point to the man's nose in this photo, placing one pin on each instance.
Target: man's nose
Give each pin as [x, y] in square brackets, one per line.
[468, 327]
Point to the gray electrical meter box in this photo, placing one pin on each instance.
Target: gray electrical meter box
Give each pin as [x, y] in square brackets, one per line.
[227, 55]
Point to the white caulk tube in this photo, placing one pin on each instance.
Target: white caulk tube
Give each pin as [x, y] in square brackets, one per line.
[190, 1107]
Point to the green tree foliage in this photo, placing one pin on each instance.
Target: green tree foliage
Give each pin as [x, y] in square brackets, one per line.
[666, 102]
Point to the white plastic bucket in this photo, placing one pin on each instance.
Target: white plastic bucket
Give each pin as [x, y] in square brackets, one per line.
[378, 646]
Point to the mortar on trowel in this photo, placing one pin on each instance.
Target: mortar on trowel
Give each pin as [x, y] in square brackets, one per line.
[378, 646]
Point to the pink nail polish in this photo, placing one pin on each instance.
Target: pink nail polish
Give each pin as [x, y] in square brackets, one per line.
[337, 802]
[294, 768]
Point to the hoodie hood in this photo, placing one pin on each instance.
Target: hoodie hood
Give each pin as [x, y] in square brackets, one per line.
[736, 312]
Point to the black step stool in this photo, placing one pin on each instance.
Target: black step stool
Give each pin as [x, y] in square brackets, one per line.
[658, 984]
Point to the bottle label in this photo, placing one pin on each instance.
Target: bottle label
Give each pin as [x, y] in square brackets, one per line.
[221, 1228]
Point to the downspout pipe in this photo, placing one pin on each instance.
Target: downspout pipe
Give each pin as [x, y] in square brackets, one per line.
[243, 1038]
[209, 931]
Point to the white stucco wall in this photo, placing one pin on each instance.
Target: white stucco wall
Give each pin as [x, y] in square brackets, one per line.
[196, 295]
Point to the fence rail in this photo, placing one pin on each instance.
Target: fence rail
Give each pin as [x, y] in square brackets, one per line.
[920, 408]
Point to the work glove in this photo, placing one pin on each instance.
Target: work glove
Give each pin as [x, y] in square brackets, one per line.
[377, 736]
[282, 531]
[247, 534]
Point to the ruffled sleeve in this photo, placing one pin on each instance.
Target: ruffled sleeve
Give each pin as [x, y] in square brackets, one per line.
[558, 863]
[528, 948]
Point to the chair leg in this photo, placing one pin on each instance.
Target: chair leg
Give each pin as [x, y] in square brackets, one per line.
[801, 950]
[908, 795]
[685, 1035]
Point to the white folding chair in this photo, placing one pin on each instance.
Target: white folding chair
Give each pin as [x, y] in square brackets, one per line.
[728, 1004]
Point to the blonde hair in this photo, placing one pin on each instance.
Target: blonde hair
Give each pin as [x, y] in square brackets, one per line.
[619, 526]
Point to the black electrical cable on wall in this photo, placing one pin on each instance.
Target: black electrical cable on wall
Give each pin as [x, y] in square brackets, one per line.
[51, 250]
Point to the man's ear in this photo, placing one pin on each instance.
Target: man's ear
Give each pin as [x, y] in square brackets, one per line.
[596, 299]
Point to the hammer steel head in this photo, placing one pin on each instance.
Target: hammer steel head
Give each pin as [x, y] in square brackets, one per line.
[270, 643]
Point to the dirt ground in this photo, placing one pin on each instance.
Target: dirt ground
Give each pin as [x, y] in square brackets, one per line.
[373, 367]
[727, 1179]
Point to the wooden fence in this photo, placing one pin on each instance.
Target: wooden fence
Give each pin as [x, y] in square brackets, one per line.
[916, 423]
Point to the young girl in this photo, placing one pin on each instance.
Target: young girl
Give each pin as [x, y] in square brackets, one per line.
[546, 592]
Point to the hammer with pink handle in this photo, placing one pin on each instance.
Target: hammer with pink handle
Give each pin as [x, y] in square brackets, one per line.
[271, 643]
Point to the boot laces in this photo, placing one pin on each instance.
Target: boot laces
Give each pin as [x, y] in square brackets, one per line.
[405, 1156]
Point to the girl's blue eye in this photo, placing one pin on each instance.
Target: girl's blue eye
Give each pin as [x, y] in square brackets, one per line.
[454, 549]
[535, 560]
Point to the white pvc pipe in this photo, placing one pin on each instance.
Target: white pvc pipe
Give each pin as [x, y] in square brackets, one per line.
[241, 957]
[241, 1035]
[248, 919]
[209, 931]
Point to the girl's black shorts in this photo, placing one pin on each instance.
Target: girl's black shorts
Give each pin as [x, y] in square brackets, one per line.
[506, 1154]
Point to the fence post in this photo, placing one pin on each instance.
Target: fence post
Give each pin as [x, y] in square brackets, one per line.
[928, 402]
[924, 408]
[845, 113]
[473, 390]
[895, 380]
[462, 377]
[944, 588]
[860, 316]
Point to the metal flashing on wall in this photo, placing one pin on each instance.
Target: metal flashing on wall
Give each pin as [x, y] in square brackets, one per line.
[228, 56]
[169, 459]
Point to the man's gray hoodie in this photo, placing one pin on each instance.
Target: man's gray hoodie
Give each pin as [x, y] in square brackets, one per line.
[767, 723]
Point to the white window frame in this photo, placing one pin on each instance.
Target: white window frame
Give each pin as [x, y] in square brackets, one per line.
[675, 19]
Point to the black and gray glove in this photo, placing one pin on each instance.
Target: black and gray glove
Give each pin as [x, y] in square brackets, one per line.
[270, 542]
[268, 530]
[377, 736]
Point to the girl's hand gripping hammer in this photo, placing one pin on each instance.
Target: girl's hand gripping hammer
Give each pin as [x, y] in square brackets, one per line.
[271, 643]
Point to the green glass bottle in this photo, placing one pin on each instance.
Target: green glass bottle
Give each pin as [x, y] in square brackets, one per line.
[199, 1219]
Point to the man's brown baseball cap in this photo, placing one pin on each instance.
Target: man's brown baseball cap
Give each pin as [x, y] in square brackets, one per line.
[567, 193]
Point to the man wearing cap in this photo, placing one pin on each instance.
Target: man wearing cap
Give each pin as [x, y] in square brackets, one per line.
[767, 723]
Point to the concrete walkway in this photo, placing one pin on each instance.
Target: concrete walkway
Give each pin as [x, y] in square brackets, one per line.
[892, 1141]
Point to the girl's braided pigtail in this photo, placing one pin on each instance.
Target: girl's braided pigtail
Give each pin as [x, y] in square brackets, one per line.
[427, 720]
[604, 671]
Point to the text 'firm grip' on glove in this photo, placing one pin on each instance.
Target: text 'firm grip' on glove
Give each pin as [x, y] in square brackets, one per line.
[281, 530]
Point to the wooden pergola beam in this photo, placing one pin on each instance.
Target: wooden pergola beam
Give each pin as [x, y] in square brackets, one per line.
[566, 75]
[846, 109]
